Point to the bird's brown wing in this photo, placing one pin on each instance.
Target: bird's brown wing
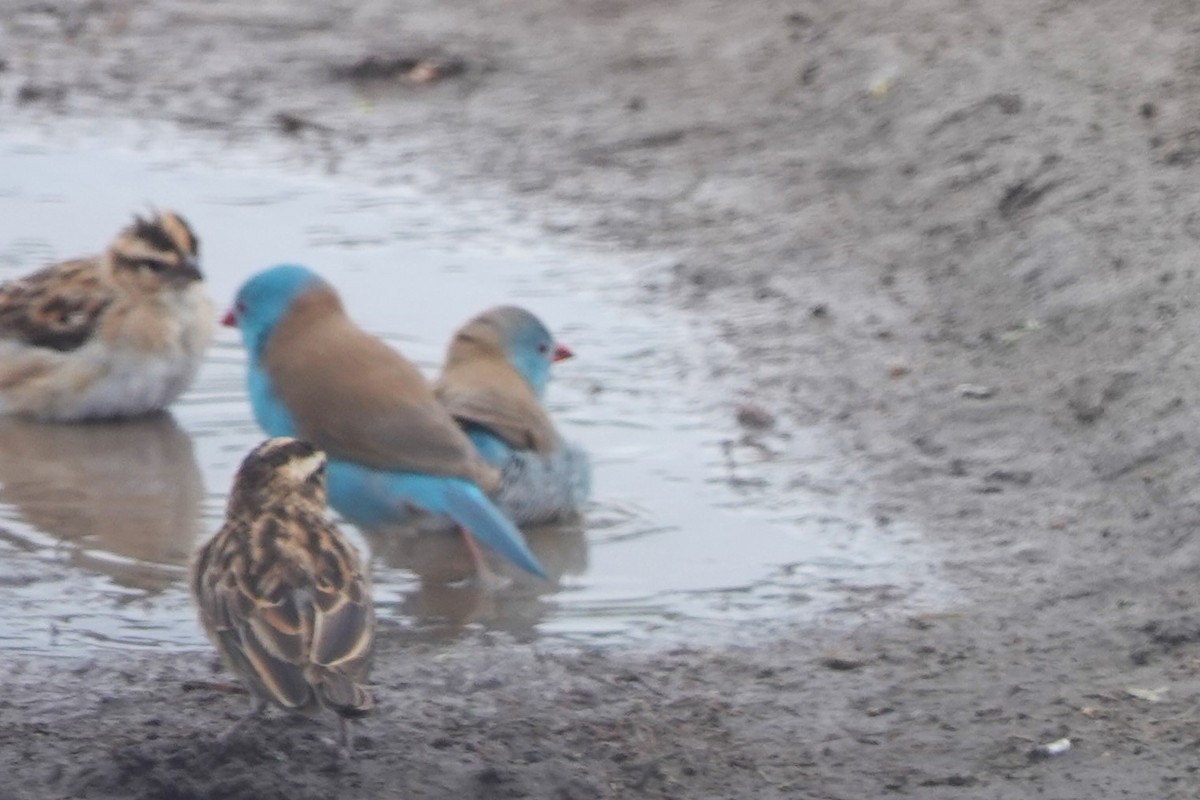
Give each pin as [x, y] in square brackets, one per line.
[359, 400]
[493, 396]
[262, 638]
[342, 644]
[289, 606]
[58, 307]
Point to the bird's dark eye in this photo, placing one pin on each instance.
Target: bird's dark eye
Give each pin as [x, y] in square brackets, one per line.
[543, 348]
[151, 264]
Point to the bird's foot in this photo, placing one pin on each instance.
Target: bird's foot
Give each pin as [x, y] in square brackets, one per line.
[485, 578]
[256, 711]
[488, 580]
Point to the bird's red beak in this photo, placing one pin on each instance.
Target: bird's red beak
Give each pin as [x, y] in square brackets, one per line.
[229, 320]
[562, 353]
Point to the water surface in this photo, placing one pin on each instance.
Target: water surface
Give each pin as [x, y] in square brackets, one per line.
[691, 534]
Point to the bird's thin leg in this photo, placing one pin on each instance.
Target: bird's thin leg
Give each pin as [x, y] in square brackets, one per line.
[486, 578]
[256, 710]
[345, 748]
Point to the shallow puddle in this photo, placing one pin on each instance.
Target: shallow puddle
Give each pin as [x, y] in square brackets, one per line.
[692, 532]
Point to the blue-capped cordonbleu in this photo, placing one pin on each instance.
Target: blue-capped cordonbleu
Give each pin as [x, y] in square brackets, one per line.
[316, 375]
[493, 383]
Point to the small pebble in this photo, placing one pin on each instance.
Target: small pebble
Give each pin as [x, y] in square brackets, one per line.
[754, 416]
[841, 663]
[974, 391]
[1051, 749]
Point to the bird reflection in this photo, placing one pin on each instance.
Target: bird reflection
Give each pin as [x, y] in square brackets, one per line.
[449, 596]
[131, 489]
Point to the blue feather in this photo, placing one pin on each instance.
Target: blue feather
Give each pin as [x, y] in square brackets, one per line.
[494, 450]
[369, 498]
[272, 415]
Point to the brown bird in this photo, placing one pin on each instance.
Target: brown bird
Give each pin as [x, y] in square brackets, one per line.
[115, 335]
[283, 594]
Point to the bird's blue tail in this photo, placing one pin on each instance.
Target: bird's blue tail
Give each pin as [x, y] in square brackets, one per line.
[494, 450]
[367, 497]
[467, 505]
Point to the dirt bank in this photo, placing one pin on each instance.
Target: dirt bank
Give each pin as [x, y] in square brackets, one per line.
[959, 233]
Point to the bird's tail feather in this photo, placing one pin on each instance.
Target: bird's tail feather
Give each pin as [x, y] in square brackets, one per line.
[467, 505]
[367, 498]
[345, 697]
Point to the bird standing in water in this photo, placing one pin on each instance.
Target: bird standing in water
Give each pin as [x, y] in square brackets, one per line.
[283, 594]
[392, 448]
[115, 335]
[494, 383]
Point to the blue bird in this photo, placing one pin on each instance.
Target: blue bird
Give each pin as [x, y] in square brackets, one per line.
[315, 375]
[493, 383]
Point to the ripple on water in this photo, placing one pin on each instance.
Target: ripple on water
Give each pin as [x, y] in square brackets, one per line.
[690, 535]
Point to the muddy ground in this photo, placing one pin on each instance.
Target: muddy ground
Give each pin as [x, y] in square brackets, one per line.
[959, 233]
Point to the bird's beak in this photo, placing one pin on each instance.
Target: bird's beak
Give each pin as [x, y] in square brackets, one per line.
[562, 353]
[229, 320]
[191, 268]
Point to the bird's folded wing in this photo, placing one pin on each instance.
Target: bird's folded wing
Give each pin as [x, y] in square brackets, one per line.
[359, 400]
[58, 307]
[514, 416]
[265, 640]
[342, 627]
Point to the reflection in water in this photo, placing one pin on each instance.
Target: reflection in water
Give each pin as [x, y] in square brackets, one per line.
[129, 489]
[448, 596]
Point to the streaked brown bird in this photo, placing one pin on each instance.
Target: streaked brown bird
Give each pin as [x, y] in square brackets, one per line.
[283, 594]
[116, 335]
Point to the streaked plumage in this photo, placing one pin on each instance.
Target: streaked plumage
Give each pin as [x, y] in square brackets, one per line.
[493, 383]
[393, 448]
[283, 595]
[116, 335]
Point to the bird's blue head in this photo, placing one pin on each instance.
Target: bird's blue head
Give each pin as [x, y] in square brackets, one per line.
[526, 343]
[264, 299]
